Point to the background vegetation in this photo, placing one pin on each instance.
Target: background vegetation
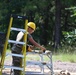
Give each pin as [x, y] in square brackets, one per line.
[55, 20]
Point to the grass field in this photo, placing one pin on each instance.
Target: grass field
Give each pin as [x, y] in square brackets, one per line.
[64, 57]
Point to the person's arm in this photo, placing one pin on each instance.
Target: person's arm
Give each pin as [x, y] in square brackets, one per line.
[36, 44]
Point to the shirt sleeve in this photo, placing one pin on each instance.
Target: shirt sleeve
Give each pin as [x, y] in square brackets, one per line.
[29, 36]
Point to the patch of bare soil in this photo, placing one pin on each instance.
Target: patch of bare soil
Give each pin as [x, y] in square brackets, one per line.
[64, 66]
[57, 67]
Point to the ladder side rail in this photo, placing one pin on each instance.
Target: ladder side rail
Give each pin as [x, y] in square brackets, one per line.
[51, 64]
[5, 45]
[41, 59]
[24, 47]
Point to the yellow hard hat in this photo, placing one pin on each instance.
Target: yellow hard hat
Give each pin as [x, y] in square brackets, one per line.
[32, 25]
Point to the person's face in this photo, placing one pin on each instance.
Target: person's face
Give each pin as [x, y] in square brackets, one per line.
[30, 30]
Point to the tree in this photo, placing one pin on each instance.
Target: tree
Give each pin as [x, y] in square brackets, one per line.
[57, 23]
[54, 20]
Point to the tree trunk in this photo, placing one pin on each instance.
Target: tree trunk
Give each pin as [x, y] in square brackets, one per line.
[57, 24]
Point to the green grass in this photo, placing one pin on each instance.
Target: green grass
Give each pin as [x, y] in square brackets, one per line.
[65, 57]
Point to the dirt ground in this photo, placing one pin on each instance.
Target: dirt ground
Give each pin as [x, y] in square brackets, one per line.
[57, 67]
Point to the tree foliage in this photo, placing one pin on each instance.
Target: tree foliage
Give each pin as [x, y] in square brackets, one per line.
[44, 14]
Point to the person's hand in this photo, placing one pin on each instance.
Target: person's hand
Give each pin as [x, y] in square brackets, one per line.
[32, 47]
[43, 49]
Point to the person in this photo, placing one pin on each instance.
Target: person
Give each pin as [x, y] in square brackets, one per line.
[17, 48]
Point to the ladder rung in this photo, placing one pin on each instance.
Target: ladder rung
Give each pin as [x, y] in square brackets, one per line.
[33, 63]
[34, 73]
[18, 16]
[18, 29]
[49, 66]
[16, 42]
[13, 67]
[36, 63]
[17, 55]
